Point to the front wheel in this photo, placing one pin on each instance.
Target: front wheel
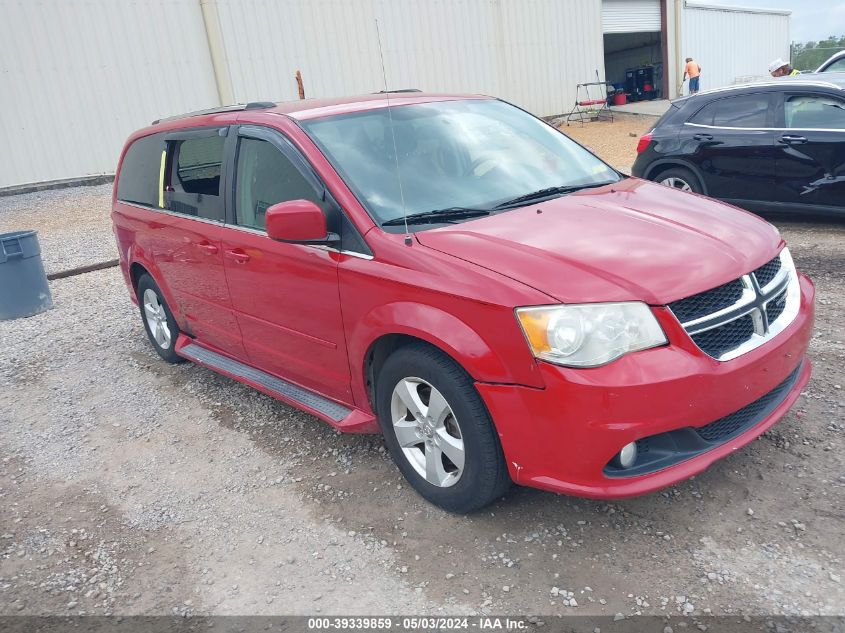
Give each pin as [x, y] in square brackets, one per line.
[680, 178]
[438, 430]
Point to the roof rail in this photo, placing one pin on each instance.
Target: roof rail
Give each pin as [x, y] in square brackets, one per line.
[383, 92]
[796, 81]
[252, 105]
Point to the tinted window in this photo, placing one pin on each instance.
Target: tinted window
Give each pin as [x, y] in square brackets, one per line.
[193, 176]
[742, 111]
[140, 172]
[814, 111]
[264, 177]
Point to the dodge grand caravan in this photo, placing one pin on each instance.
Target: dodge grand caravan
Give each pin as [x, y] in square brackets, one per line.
[462, 277]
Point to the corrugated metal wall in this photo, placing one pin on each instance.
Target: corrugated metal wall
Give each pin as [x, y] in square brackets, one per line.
[532, 53]
[77, 77]
[549, 46]
[733, 46]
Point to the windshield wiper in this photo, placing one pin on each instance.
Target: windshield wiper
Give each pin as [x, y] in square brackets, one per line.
[435, 216]
[547, 193]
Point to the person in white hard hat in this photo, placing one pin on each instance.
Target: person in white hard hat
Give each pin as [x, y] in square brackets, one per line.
[780, 68]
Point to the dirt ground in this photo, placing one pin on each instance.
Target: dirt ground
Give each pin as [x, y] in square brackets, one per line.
[615, 141]
[129, 486]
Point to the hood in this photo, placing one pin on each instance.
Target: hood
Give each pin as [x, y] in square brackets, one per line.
[630, 241]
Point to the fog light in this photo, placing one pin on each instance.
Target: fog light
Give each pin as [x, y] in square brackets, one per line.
[627, 456]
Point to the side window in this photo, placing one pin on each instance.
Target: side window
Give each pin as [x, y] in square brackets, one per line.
[265, 176]
[139, 179]
[814, 111]
[193, 176]
[836, 67]
[741, 111]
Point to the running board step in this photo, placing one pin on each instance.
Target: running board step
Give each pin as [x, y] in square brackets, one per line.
[332, 411]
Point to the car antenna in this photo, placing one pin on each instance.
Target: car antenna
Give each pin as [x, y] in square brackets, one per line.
[408, 240]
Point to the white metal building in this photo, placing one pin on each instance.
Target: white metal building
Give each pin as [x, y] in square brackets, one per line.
[733, 45]
[77, 76]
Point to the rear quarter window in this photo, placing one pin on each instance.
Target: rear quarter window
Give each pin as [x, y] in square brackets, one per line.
[746, 111]
[138, 181]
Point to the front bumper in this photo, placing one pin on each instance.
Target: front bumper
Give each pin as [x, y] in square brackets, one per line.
[561, 438]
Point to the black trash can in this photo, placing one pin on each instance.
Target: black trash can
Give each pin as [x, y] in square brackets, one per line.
[23, 284]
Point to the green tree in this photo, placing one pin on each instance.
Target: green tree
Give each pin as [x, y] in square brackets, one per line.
[807, 56]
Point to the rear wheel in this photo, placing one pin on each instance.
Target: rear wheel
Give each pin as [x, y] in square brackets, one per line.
[158, 319]
[680, 178]
[438, 430]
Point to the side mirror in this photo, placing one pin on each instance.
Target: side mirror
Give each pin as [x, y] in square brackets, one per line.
[297, 221]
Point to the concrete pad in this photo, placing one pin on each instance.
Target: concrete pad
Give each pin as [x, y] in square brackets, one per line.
[657, 108]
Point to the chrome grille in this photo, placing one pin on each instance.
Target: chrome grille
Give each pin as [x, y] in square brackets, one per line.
[776, 307]
[708, 302]
[767, 272]
[742, 314]
[721, 340]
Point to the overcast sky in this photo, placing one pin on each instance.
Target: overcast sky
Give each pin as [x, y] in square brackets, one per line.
[811, 19]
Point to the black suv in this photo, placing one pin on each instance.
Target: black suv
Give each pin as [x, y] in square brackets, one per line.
[777, 145]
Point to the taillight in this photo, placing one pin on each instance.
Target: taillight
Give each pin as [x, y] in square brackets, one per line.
[645, 139]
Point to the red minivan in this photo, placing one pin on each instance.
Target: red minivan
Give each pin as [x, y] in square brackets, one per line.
[458, 275]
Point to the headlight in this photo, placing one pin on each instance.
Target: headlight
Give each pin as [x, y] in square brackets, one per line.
[589, 334]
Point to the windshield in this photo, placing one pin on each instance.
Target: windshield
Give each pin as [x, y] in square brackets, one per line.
[452, 154]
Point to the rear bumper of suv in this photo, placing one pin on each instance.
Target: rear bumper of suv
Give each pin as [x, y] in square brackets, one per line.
[563, 437]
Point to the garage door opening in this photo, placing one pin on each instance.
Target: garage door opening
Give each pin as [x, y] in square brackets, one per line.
[635, 49]
[633, 62]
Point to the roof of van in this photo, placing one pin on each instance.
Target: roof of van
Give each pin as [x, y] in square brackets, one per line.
[314, 108]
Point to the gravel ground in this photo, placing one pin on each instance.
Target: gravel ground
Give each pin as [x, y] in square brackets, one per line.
[74, 227]
[135, 487]
[615, 141]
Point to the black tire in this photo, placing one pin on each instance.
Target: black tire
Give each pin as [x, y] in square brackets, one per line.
[484, 477]
[166, 351]
[680, 175]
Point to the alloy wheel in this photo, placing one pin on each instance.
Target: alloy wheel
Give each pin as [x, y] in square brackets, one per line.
[156, 319]
[428, 432]
[676, 183]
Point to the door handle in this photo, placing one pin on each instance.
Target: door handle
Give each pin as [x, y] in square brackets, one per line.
[238, 255]
[208, 249]
[792, 139]
[703, 137]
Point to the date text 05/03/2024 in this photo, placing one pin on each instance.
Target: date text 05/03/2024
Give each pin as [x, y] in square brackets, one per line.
[487, 623]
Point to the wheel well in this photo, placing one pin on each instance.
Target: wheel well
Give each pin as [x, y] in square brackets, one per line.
[379, 351]
[135, 272]
[654, 173]
[663, 167]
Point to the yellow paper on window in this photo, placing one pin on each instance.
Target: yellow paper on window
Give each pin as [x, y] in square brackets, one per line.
[161, 180]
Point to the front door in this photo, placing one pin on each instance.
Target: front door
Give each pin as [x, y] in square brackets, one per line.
[811, 157]
[729, 142]
[285, 295]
